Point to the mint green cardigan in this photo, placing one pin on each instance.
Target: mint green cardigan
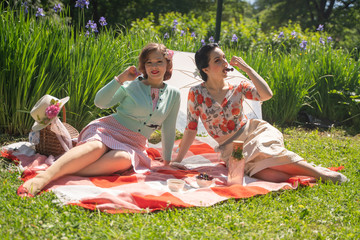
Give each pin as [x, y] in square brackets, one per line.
[135, 110]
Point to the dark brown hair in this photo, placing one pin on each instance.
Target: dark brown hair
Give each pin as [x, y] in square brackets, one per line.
[202, 58]
[143, 57]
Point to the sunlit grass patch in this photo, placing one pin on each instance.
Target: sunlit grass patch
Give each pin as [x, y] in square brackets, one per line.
[325, 211]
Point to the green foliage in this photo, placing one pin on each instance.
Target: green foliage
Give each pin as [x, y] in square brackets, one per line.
[46, 55]
[339, 18]
[187, 23]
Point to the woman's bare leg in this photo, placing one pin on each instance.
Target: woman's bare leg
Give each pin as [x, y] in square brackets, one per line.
[301, 168]
[110, 162]
[72, 161]
[272, 175]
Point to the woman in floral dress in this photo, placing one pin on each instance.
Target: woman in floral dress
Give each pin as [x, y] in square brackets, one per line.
[219, 105]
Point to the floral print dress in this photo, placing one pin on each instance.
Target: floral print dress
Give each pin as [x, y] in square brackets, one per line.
[219, 119]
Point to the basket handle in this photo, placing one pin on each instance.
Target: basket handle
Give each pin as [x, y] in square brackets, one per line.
[64, 114]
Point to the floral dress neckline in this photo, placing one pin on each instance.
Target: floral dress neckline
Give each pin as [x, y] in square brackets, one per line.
[224, 100]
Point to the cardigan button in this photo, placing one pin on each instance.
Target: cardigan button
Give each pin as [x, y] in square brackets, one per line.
[139, 130]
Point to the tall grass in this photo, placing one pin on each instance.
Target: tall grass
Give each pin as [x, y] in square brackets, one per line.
[45, 55]
[337, 77]
[287, 76]
[31, 63]
[322, 81]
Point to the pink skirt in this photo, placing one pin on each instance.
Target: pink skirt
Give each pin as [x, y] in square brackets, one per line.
[117, 137]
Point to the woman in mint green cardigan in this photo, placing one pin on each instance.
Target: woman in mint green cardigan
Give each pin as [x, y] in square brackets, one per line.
[118, 142]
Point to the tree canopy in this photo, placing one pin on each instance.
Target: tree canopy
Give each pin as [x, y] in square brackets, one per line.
[341, 18]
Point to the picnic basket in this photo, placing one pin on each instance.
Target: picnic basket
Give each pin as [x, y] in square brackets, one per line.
[49, 144]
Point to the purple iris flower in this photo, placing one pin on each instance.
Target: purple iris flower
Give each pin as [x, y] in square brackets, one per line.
[329, 39]
[303, 45]
[281, 35]
[89, 24]
[102, 21]
[40, 12]
[175, 23]
[25, 5]
[82, 3]
[322, 41]
[211, 39]
[320, 27]
[92, 25]
[166, 35]
[293, 34]
[193, 34]
[57, 7]
[202, 42]
[182, 33]
[234, 38]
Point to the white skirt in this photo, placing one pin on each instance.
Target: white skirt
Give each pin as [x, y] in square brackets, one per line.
[263, 147]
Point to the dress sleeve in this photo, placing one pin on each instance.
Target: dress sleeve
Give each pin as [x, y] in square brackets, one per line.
[168, 129]
[249, 90]
[110, 95]
[192, 111]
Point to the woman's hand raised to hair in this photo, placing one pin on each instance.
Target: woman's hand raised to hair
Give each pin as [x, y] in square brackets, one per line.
[130, 74]
[240, 63]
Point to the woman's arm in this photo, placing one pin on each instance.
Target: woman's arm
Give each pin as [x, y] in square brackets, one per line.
[108, 96]
[186, 141]
[189, 133]
[261, 85]
[168, 130]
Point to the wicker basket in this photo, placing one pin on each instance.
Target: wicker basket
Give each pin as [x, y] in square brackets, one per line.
[49, 144]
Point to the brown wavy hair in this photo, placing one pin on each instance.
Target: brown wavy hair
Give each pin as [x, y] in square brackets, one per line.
[143, 57]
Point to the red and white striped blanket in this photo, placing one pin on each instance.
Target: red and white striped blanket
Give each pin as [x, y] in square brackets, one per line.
[149, 192]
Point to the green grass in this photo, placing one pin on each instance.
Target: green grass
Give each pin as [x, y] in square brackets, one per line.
[326, 211]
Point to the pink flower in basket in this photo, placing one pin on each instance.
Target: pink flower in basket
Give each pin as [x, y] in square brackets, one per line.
[52, 110]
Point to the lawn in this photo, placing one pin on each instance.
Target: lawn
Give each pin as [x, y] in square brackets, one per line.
[325, 211]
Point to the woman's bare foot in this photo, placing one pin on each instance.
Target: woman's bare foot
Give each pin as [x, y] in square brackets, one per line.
[36, 184]
[329, 175]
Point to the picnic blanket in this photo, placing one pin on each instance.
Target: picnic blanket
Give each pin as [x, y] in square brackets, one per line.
[149, 192]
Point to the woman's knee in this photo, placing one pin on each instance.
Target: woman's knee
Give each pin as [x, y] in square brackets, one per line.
[117, 154]
[120, 160]
[95, 146]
